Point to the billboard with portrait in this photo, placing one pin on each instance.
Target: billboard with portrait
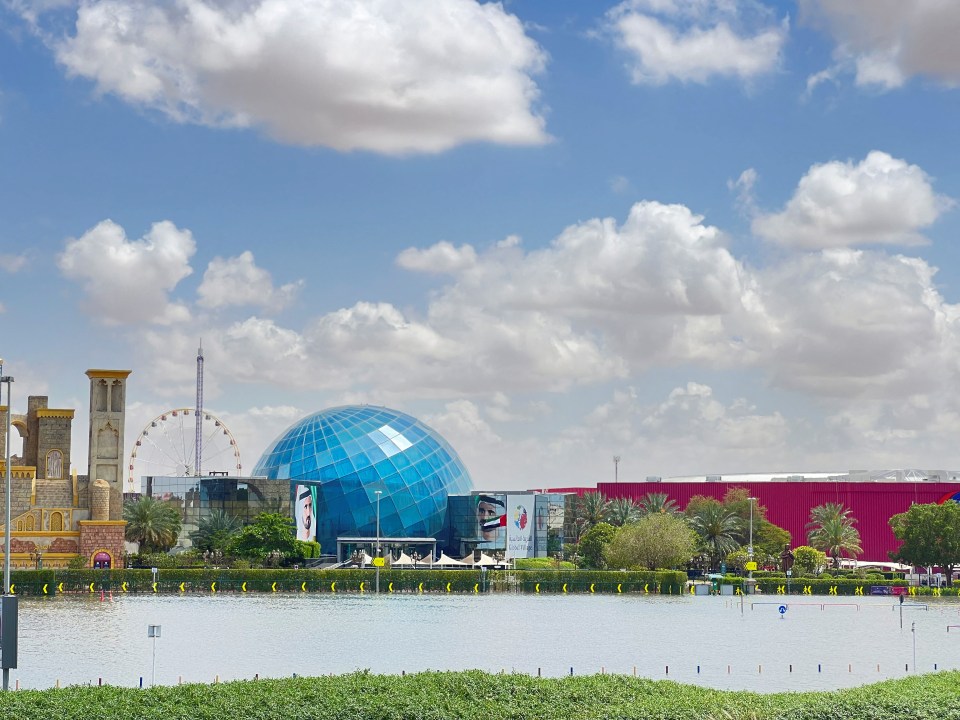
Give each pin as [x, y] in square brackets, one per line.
[305, 511]
[478, 522]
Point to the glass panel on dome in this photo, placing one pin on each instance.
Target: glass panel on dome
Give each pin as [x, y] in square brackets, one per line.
[401, 442]
[388, 448]
[388, 431]
[377, 437]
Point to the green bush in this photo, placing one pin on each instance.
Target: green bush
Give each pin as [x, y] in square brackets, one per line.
[474, 695]
[176, 580]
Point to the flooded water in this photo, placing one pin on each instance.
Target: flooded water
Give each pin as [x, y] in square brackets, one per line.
[817, 643]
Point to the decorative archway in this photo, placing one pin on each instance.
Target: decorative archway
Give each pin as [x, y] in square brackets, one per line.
[101, 560]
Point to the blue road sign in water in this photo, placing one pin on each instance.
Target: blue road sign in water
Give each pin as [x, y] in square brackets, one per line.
[783, 609]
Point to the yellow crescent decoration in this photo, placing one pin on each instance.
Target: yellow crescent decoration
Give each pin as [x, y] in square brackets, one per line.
[183, 587]
[303, 586]
[154, 587]
[44, 588]
[390, 587]
[564, 587]
[59, 587]
[333, 586]
[361, 587]
[420, 587]
[244, 586]
[213, 586]
[123, 587]
[448, 587]
[646, 588]
[91, 587]
[618, 587]
[591, 587]
[273, 587]
[537, 588]
[476, 587]
[12, 586]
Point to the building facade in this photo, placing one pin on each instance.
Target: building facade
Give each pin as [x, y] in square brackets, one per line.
[56, 514]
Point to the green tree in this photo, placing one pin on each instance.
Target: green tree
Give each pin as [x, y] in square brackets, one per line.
[769, 541]
[593, 508]
[930, 535]
[270, 533]
[831, 529]
[594, 543]
[153, 524]
[657, 502]
[622, 511]
[717, 528]
[737, 501]
[738, 559]
[654, 541]
[808, 561]
[215, 531]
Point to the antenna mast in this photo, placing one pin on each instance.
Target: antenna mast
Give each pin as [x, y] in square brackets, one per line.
[199, 411]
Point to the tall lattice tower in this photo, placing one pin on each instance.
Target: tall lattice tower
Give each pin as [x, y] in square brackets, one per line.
[198, 409]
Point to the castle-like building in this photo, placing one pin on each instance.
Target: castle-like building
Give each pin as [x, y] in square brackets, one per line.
[58, 515]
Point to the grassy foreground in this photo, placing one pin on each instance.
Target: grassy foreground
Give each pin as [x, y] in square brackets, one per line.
[482, 696]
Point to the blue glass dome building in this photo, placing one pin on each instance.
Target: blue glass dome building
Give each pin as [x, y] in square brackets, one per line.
[355, 450]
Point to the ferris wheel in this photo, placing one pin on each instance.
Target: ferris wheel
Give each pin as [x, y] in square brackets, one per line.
[167, 447]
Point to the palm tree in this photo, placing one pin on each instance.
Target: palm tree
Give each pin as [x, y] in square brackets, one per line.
[832, 530]
[593, 508]
[655, 502]
[214, 531]
[717, 527]
[623, 511]
[151, 523]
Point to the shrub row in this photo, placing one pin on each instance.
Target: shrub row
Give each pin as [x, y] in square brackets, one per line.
[39, 582]
[474, 695]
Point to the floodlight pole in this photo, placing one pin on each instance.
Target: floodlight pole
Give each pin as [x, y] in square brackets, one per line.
[750, 546]
[6, 540]
[376, 564]
[616, 468]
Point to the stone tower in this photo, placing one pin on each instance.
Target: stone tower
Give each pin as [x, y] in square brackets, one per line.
[108, 402]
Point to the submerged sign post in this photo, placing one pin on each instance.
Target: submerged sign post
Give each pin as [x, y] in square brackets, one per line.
[153, 631]
[8, 632]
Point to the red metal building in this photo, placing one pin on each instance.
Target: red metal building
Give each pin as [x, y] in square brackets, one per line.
[788, 503]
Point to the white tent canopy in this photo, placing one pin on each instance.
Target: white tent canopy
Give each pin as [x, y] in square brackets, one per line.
[447, 560]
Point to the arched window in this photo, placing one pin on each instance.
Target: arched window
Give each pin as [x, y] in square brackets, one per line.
[56, 521]
[54, 464]
[28, 523]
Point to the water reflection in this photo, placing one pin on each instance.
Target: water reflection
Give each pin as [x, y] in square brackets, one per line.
[79, 639]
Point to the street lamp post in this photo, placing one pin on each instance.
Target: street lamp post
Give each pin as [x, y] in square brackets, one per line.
[376, 561]
[750, 546]
[616, 468]
[8, 609]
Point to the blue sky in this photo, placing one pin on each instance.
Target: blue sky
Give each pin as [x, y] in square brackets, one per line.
[707, 236]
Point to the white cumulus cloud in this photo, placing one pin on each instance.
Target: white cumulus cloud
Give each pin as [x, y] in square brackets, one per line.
[391, 77]
[440, 258]
[886, 42]
[696, 41]
[880, 200]
[238, 281]
[129, 281]
[12, 263]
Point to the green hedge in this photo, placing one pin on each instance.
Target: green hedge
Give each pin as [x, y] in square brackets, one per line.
[474, 695]
[666, 582]
[176, 580]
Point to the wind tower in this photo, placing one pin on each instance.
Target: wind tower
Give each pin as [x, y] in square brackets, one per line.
[198, 458]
